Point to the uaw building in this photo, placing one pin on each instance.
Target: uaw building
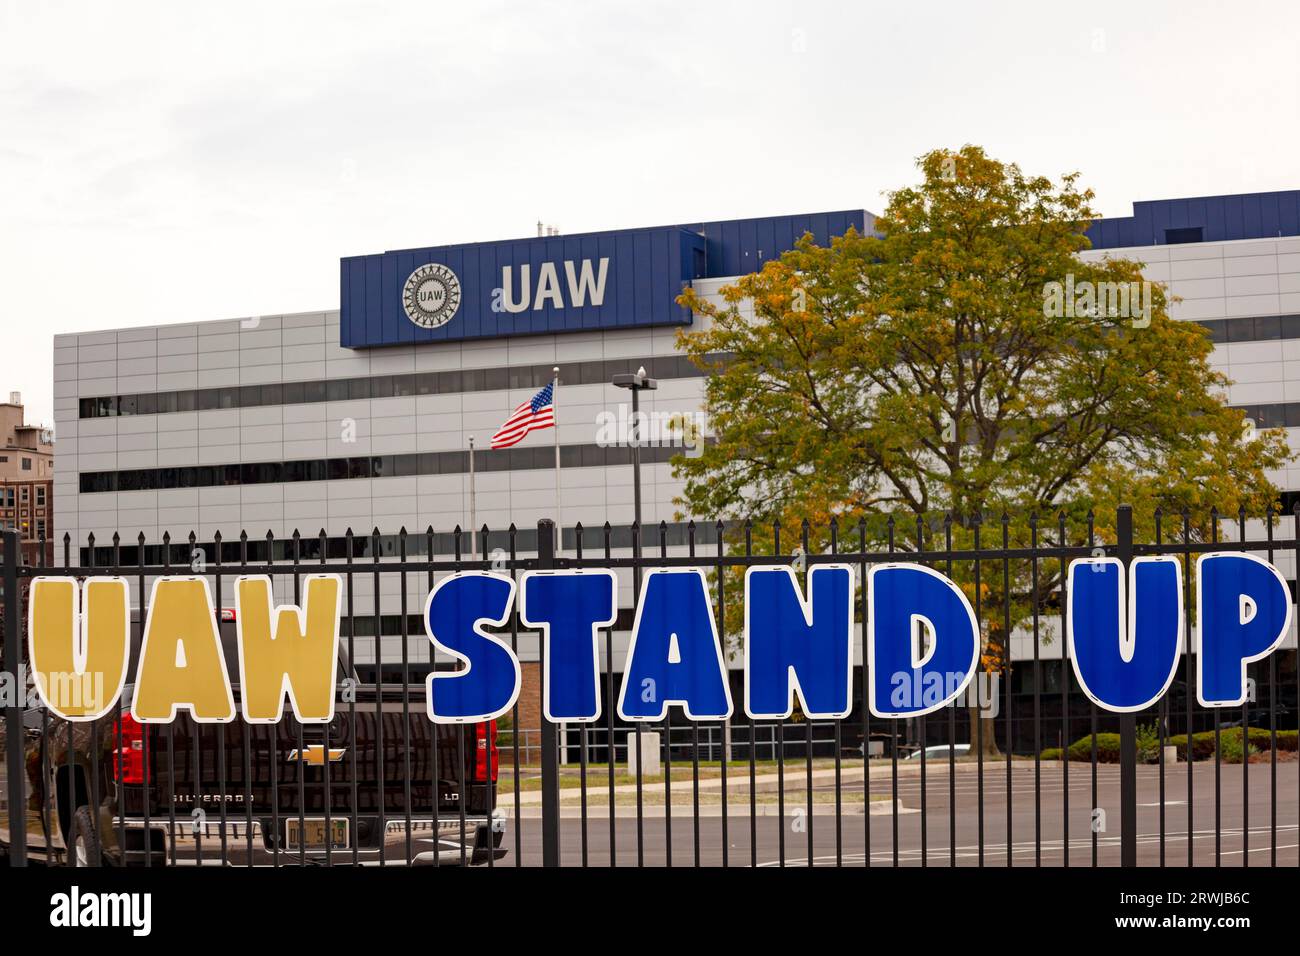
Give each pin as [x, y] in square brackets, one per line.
[360, 417]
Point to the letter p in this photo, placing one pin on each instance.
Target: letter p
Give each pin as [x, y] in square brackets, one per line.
[1243, 612]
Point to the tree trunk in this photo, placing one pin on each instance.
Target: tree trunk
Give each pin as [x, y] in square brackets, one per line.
[983, 736]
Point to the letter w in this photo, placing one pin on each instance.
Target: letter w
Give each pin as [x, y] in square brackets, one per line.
[579, 287]
[299, 657]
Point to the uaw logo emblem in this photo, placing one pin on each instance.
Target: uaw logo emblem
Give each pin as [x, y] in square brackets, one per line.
[431, 296]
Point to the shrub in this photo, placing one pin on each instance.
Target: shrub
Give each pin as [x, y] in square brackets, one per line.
[1260, 740]
[1230, 746]
[1107, 748]
[1148, 743]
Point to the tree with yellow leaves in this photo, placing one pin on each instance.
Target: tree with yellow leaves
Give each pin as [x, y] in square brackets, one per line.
[959, 366]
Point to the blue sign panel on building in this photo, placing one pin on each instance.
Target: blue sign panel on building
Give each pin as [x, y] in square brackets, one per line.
[550, 284]
[599, 280]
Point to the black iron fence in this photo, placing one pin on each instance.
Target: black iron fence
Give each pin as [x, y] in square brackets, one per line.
[1027, 772]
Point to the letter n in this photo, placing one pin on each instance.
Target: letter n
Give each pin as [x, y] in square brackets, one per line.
[793, 646]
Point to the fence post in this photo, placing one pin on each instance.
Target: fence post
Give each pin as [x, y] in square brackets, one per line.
[550, 741]
[1127, 722]
[16, 736]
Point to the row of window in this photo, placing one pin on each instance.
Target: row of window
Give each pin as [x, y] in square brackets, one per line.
[1276, 415]
[25, 464]
[365, 547]
[1245, 329]
[368, 466]
[1258, 328]
[7, 495]
[379, 386]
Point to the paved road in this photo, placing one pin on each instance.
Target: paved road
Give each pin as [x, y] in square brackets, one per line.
[926, 822]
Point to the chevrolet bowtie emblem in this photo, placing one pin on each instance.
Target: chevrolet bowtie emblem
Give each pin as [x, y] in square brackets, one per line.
[314, 756]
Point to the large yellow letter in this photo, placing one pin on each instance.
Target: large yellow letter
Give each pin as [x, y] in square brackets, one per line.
[181, 664]
[79, 658]
[301, 656]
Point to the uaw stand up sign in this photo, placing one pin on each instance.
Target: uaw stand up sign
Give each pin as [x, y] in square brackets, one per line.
[1123, 631]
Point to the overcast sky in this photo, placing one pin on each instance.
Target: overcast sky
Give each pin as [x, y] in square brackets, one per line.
[172, 162]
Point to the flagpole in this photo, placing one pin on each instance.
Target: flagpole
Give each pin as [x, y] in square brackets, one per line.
[473, 538]
[559, 522]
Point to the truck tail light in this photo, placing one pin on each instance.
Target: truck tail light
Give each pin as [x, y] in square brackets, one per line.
[129, 762]
[485, 752]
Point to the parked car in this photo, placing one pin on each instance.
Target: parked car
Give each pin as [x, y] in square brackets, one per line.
[117, 792]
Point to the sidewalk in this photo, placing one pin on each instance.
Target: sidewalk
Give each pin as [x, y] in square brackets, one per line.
[735, 811]
[796, 777]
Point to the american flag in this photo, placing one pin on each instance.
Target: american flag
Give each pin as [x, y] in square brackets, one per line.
[537, 412]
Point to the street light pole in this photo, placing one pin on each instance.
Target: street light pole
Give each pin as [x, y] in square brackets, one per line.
[635, 383]
[636, 459]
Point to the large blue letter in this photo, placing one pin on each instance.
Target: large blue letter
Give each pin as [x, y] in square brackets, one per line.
[922, 640]
[454, 615]
[1124, 635]
[1243, 612]
[675, 656]
[811, 641]
[569, 608]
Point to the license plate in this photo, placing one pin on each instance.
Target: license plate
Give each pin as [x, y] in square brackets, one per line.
[310, 834]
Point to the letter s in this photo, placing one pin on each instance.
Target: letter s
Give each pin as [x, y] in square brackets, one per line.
[454, 615]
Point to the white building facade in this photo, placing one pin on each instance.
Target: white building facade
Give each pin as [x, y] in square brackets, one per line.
[360, 418]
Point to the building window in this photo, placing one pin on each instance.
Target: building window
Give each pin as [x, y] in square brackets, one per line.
[27, 464]
[22, 495]
[40, 528]
[1188, 234]
[40, 495]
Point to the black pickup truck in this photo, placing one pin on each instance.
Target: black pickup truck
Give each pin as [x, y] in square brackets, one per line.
[360, 791]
